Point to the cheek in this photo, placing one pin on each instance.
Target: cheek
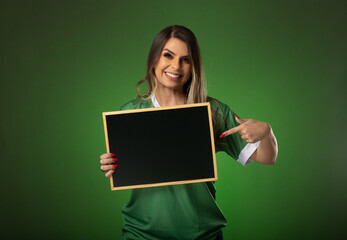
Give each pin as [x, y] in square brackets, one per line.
[157, 68]
[188, 70]
[160, 65]
[163, 61]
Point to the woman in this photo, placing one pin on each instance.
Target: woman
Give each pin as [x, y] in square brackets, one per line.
[187, 211]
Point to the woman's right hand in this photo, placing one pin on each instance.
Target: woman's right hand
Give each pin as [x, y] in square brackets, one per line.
[108, 163]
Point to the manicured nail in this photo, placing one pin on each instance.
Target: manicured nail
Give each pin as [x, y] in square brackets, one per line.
[114, 159]
[112, 154]
[115, 166]
[222, 136]
[237, 116]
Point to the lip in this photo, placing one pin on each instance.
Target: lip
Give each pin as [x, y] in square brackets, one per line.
[173, 78]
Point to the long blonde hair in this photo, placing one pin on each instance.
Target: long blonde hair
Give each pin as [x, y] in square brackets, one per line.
[194, 88]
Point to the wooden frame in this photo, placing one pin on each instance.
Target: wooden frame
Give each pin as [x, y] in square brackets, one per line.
[210, 170]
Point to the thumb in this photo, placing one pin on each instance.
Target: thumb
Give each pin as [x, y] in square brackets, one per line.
[239, 120]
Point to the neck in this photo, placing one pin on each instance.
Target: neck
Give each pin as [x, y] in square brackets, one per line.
[168, 97]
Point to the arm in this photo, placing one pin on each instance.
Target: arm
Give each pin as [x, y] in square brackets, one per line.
[266, 153]
[253, 131]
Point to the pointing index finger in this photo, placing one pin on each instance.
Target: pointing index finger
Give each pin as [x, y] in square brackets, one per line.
[231, 131]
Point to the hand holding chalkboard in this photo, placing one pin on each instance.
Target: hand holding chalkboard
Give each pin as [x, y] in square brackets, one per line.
[108, 163]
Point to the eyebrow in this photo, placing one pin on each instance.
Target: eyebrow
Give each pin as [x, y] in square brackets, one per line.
[173, 52]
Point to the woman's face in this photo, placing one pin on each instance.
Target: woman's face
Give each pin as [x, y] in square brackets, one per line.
[173, 68]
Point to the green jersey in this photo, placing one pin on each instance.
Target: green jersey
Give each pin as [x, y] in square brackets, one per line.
[186, 211]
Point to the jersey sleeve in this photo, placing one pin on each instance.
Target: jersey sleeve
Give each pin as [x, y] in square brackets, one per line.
[233, 145]
[127, 106]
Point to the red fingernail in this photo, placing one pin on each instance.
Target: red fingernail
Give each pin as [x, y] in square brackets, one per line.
[115, 159]
[237, 116]
[115, 166]
[221, 136]
[112, 154]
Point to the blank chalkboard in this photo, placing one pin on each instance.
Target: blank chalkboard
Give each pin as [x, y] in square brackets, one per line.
[161, 146]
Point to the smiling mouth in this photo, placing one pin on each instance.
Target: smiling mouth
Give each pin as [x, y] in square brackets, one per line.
[172, 76]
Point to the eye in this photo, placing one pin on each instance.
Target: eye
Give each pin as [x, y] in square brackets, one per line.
[168, 55]
[186, 60]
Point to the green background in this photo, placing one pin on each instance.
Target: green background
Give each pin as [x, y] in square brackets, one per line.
[65, 62]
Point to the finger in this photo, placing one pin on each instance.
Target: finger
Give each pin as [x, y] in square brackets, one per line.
[239, 120]
[109, 173]
[243, 132]
[231, 131]
[108, 167]
[107, 155]
[250, 141]
[245, 136]
[108, 161]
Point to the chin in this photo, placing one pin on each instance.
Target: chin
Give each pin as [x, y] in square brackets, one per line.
[170, 85]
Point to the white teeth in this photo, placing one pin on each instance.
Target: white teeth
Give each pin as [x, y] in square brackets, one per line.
[172, 75]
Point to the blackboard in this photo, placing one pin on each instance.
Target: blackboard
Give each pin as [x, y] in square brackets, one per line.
[161, 146]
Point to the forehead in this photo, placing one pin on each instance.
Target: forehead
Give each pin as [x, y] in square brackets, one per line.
[177, 46]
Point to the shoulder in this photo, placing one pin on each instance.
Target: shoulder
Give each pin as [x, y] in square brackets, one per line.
[218, 106]
[137, 103]
[222, 114]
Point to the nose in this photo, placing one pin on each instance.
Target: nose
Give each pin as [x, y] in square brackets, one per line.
[175, 64]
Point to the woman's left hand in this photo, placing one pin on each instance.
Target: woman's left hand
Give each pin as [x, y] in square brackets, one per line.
[251, 130]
